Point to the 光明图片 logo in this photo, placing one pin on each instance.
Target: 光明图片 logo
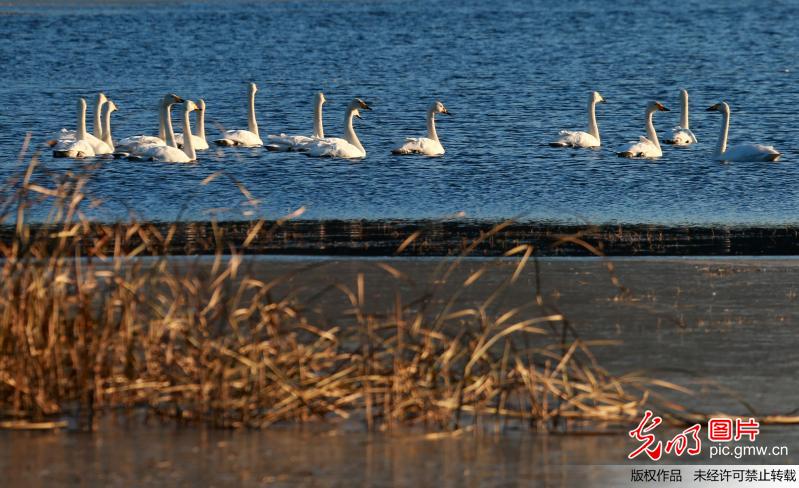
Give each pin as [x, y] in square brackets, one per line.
[720, 430]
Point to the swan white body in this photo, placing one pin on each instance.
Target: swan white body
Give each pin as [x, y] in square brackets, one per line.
[164, 154]
[682, 135]
[68, 135]
[579, 138]
[739, 152]
[158, 151]
[348, 148]
[169, 153]
[137, 144]
[430, 145]
[241, 137]
[283, 142]
[76, 146]
[75, 149]
[99, 146]
[199, 141]
[646, 147]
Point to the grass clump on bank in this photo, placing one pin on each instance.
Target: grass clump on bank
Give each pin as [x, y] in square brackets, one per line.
[95, 318]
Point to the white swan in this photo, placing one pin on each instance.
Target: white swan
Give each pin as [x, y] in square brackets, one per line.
[646, 147]
[682, 135]
[241, 137]
[583, 139]
[430, 145]
[76, 147]
[740, 152]
[348, 148]
[283, 143]
[169, 153]
[200, 143]
[136, 144]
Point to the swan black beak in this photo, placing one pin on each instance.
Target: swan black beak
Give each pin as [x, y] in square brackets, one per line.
[712, 108]
[447, 112]
[603, 101]
[358, 116]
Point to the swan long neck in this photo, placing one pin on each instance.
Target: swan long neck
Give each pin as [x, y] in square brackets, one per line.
[252, 124]
[318, 127]
[593, 128]
[107, 128]
[98, 118]
[161, 118]
[684, 110]
[431, 125]
[188, 144]
[349, 131]
[80, 133]
[725, 130]
[201, 123]
[170, 133]
[650, 128]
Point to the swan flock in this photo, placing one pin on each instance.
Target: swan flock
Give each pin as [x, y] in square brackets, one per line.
[648, 147]
[182, 147]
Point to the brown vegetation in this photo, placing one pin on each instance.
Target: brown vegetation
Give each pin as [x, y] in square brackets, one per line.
[117, 330]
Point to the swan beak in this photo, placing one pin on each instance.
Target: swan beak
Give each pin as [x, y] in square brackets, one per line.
[366, 107]
[603, 101]
[447, 112]
[358, 116]
[712, 108]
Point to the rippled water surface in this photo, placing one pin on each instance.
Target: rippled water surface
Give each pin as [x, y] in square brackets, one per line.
[512, 72]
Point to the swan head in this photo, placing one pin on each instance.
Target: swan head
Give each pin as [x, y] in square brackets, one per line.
[110, 106]
[81, 104]
[201, 105]
[171, 99]
[439, 108]
[253, 88]
[189, 106]
[357, 105]
[655, 106]
[597, 98]
[320, 98]
[101, 98]
[719, 107]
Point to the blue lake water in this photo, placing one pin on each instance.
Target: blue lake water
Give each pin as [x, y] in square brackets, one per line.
[514, 73]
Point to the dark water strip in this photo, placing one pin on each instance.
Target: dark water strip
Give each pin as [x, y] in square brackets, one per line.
[445, 238]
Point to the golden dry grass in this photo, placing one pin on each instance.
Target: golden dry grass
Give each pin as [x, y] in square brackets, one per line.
[87, 326]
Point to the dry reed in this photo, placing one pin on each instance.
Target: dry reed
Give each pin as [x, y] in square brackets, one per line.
[87, 326]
